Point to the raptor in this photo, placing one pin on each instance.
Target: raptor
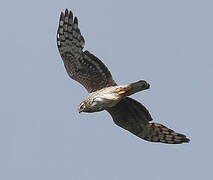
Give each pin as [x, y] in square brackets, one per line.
[104, 93]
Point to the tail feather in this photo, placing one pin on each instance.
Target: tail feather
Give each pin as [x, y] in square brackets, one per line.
[136, 87]
[158, 133]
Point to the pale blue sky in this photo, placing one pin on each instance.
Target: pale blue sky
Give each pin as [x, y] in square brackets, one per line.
[168, 43]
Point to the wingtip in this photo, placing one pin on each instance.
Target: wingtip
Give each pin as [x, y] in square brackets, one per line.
[186, 140]
[183, 137]
[67, 13]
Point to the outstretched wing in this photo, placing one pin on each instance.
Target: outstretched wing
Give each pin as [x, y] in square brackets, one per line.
[81, 66]
[134, 117]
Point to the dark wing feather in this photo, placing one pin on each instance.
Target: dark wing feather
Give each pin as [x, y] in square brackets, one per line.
[130, 115]
[134, 117]
[81, 66]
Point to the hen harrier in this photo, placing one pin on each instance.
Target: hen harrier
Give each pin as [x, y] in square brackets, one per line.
[104, 93]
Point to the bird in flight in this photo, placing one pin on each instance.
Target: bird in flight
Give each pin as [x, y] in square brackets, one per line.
[104, 93]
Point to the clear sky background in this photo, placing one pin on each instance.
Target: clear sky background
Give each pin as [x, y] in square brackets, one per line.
[168, 43]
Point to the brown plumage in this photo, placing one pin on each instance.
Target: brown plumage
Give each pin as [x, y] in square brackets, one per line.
[81, 66]
[104, 94]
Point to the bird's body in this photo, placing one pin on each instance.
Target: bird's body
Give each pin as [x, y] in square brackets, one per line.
[104, 93]
[108, 97]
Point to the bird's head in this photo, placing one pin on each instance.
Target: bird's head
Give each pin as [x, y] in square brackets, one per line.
[85, 107]
[90, 105]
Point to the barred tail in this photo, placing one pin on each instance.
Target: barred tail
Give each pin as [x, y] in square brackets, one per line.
[158, 133]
